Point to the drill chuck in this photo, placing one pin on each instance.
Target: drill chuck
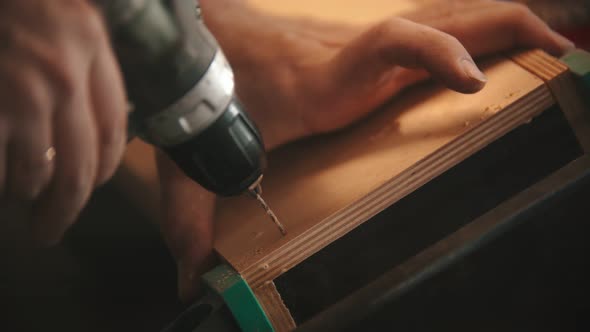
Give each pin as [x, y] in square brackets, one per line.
[227, 157]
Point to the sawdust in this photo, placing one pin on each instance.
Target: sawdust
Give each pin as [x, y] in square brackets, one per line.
[490, 109]
[512, 94]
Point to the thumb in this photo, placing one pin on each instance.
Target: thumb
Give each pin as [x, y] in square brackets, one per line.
[187, 225]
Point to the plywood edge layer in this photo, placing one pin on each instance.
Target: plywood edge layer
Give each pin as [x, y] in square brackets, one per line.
[272, 303]
[539, 63]
[343, 221]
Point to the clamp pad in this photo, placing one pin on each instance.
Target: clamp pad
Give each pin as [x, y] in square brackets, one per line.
[239, 298]
[578, 62]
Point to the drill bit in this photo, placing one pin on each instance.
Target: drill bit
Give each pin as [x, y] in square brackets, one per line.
[255, 192]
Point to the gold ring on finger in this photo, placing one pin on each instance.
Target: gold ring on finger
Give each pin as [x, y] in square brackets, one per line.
[50, 154]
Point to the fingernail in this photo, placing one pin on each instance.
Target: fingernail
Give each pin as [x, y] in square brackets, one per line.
[472, 71]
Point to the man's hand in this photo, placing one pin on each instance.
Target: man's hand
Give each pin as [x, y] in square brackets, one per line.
[300, 77]
[63, 117]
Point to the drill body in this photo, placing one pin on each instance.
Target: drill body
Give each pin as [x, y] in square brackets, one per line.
[182, 92]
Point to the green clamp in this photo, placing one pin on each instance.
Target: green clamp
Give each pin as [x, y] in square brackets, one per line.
[239, 298]
[578, 62]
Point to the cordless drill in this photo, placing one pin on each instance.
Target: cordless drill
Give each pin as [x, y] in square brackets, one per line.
[182, 92]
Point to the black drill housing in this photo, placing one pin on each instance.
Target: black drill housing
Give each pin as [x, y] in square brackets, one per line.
[164, 50]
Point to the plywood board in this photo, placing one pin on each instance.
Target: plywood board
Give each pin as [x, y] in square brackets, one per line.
[324, 187]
